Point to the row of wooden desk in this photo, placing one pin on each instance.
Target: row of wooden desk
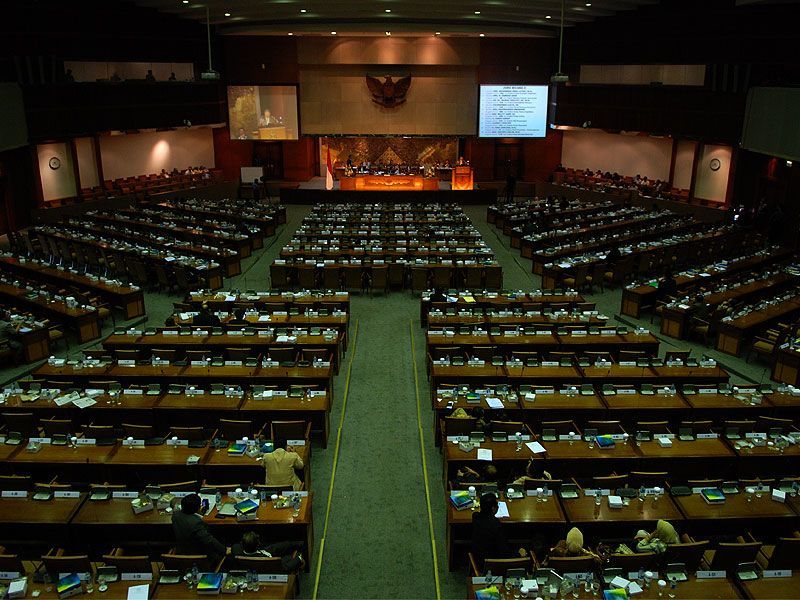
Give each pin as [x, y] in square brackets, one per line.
[129, 298]
[636, 297]
[84, 321]
[96, 525]
[529, 517]
[137, 466]
[166, 408]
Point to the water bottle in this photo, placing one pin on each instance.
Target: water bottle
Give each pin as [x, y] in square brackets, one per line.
[544, 493]
[640, 577]
[488, 578]
[195, 575]
[218, 499]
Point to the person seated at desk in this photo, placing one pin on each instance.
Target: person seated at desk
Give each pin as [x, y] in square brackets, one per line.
[657, 541]
[534, 470]
[488, 537]
[612, 257]
[238, 318]
[205, 317]
[191, 533]
[438, 295]
[251, 545]
[282, 465]
[572, 546]
[8, 333]
[149, 76]
[667, 287]
[465, 475]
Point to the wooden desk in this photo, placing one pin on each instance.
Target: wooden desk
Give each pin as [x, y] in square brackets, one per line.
[382, 183]
[527, 516]
[97, 522]
[179, 591]
[640, 402]
[85, 322]
[733, 334]
[737, 512]
[786, 366]
[583, 512]
[771, 588]
[130, 298]
[23, 520]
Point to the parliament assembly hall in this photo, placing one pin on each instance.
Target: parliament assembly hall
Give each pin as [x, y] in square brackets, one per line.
[385, 299]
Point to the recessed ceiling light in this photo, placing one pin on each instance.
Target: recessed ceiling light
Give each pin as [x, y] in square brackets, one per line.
[477, 12]
[227, 14]
[303, 10]
[482, 35]
[186, 1]
[290, 33]
[388, 33]
[548, 17]
[388, 10]
[333, 33]
[438, 33]
[588, 4]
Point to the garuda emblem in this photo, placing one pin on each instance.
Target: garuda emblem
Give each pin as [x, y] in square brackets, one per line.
[389, 93]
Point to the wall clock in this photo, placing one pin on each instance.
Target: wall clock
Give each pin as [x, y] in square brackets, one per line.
[54, 163]
[714, 164]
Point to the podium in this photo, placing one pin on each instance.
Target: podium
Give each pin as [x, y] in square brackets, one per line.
[272, 133]
[461, 178]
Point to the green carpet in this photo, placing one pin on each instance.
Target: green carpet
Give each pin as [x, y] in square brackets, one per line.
[378, 543]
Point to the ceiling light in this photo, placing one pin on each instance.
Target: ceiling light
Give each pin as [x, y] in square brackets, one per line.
[388, 33]
[227, 14]
[548, 17]
[477, 12]
[388, 10]
[290, 33]
[186, 1]
[438, 33]
[588, 4]
[482, 35]
[333, 33]
[303, 10]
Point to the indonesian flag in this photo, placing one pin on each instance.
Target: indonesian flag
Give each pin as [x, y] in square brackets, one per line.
[329, 172]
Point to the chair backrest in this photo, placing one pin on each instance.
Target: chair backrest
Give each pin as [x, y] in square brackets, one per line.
[648, 478]
[165, 353]
[61, 563]
[500, 566]
[311, 354]
[570, 564]
[605, 427]
[786, 554]
[610, 481]
[234, 430]
[633, 562]
[15, 482]
[139, 432]
[560, 427]
[261, 564]
[283, 354]
[459, 426]
[289, 430]
[509, 427]
[183, 563]
[180, 486]
[129, 564]
[728, 555]
[11, 563]
[52, 427]
[187, 433]
[689, 553]
[22, 423]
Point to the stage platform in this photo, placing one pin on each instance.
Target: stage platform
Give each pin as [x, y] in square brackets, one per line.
[312, 196]
[314, 192]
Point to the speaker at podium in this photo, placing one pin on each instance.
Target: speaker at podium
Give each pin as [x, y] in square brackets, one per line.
[462, 178]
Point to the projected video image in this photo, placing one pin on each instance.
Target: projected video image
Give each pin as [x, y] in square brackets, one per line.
[512, 111]
[262, 112]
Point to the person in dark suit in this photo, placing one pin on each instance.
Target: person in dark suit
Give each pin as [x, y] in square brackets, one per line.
[438, 295]
[205, 317]
[488, 537]
[667, 287]
[191, 533]
[251, 546]
[238, 318]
